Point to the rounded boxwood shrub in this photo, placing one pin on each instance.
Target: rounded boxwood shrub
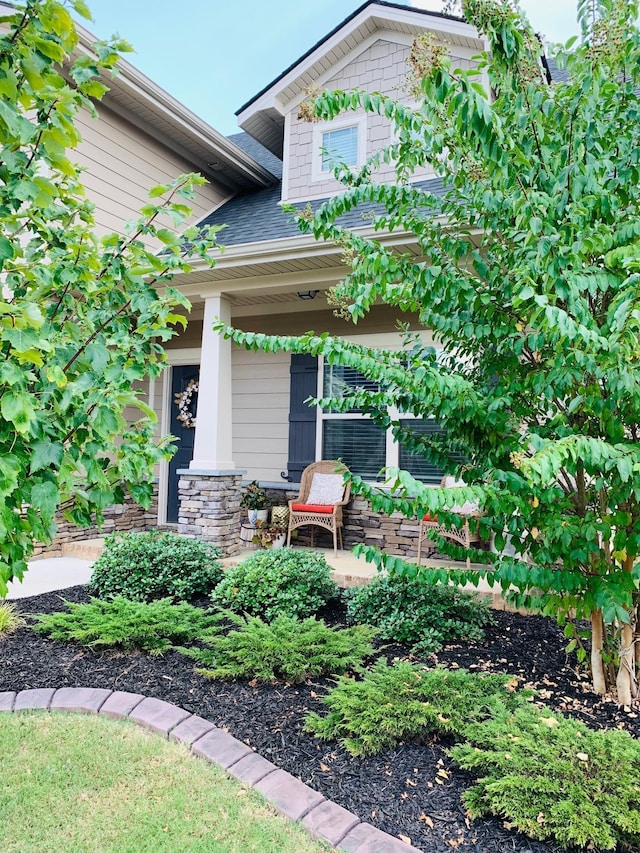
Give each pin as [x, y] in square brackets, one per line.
[425, 616]
[146, 566]
[277, 581]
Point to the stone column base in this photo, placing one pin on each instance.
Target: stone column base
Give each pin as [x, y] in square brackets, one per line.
[210, 507]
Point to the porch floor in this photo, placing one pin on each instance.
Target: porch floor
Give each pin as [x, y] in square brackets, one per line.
[349, 570]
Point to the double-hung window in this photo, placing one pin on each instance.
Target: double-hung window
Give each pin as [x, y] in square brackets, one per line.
[341, 141]
[362, 445]
[339, 146]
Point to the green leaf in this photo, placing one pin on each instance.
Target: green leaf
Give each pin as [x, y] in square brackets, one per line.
[17, 407]
[44, 499]
[45, 454]
[81, 8]
[10, 468]
[24, 340]
[159, 190]
[6, 250]
[49, 48]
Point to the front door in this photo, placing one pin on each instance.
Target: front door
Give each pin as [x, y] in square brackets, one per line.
[182, 428]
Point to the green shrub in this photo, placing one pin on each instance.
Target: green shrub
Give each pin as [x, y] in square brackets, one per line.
[144, 566]
[286, 649]
[152, 627]
[554, 778]
[274, 582]
[408, 702]
[10, 619]
[423, 615]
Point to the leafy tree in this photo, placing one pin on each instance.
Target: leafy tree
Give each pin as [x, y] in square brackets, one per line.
[81, 318]
[530, 279]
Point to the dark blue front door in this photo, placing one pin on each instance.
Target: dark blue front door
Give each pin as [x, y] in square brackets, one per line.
[181, 376]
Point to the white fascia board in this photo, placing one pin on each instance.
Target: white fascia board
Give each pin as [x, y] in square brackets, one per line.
[291, 248]
[286, 154]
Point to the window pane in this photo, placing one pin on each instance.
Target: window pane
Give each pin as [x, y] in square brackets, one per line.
[358, 442]
[339, 381]
[339, 146]
[417, 465]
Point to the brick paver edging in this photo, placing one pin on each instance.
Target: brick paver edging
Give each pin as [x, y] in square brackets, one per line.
[322, 818]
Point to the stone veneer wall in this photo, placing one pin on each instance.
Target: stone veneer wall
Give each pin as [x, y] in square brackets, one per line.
[125, 517]
[394, 533]
[210, 507]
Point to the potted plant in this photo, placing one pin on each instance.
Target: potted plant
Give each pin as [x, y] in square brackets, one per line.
[255, 501]
[270, 535]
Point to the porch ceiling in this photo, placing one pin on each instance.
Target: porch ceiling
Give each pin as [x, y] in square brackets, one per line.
[283, 266]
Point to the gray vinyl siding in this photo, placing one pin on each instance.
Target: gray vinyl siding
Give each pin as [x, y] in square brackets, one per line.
[380, 68]
[261, 413]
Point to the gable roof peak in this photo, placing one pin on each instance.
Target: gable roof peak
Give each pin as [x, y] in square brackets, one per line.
[263, 116]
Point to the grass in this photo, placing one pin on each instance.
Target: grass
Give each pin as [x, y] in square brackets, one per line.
[10, 619]
[86, 784]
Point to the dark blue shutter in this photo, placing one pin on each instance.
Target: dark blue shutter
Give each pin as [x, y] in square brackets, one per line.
[302, 417]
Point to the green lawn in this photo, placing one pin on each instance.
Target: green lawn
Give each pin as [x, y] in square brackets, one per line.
[83, 783]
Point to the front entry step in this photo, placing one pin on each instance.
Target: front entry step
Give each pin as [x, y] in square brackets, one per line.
[85, 549]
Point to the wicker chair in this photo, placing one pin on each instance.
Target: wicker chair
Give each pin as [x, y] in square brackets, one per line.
[326, 515]
[462, 535]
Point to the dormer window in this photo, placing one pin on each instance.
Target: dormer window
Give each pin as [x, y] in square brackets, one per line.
[341, 141]
[339, 146]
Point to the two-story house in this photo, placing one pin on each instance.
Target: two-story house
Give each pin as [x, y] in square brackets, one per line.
[252, 421]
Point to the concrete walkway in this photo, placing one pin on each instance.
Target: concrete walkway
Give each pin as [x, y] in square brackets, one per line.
[51, 574]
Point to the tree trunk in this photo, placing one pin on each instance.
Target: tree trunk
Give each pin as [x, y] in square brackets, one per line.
[627, 682]
[597, 665]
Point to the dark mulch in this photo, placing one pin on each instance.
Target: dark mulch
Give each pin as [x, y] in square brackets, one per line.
[400, 790]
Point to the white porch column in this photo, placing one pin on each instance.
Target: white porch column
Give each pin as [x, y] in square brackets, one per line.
[213, 440]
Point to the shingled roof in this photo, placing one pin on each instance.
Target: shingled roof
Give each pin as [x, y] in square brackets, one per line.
[259, 153]
[258, 217]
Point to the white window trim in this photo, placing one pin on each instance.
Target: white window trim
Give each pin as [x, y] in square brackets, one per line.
[340, 123]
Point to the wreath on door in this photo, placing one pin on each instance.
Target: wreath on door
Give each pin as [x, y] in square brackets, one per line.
[184, 401]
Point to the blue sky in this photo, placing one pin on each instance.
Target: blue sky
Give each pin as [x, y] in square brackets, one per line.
[214, 55]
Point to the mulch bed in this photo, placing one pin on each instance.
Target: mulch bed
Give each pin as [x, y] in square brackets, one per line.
[398, 791]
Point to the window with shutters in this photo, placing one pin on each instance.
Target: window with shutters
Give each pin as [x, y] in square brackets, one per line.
[363, 446]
